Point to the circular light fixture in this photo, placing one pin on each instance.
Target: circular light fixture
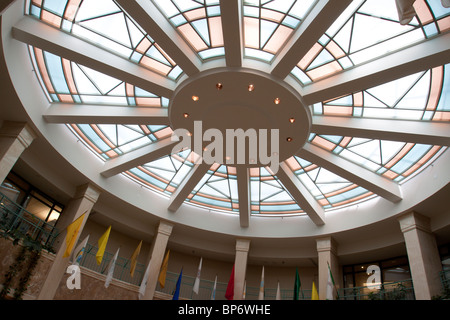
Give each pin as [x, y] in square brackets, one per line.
[292, 120]
[289, 139]
[195, 98]
[277, 101]
[219, 86]
[186, 115]
[251, 87]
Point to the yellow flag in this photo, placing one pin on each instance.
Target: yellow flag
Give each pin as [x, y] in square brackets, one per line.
[315, 295]
[102, 245]
[134, 258]
[162, 274]
[72, 234]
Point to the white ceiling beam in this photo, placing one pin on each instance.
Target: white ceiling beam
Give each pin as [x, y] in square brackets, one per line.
[424, 132]
[243, 182]
[312, 28]
[139, 157]
[47, 38]
[407, 61]
[187, 185]
[371, 181]
[101, 114]
[232, 31]
[301, 194]
[148, 16]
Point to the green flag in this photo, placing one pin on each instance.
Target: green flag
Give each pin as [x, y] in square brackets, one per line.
[297, 286]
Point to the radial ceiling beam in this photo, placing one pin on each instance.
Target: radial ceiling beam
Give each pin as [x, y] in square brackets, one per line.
[371, 181]
[187, 185]
[312, 28]
[101, 114]
[243, 183]
[139, 157]
[425, 132]
[301, 194]
[148, 16]
[47, 38]
[232, 31]
[410, 60]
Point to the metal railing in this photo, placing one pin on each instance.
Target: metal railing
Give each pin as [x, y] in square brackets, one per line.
[401, 290]
[21, 224]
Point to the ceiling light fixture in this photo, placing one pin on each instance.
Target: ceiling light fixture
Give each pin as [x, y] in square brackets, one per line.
[292, 120]
[219, 86]
[195, 98]
[277, 101]
[251, 87]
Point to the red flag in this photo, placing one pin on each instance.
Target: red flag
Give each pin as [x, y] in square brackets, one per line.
[229, 294]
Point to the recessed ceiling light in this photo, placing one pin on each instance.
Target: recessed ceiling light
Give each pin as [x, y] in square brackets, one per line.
[289, 139]
[251, 87]
[219, 86]
[186, 115]
[277, 101]
[195, 98]
[292, 120]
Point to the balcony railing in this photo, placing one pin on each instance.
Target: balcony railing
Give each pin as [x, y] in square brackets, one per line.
[17, 222]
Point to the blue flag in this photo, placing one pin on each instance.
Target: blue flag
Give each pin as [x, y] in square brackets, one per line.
[176, 295]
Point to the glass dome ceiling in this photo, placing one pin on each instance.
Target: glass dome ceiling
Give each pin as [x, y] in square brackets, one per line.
[365, 140]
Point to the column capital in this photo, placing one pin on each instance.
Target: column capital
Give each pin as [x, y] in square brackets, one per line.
[18, 130]
[413, 220]
[165, 228]
[326, 244]
[88, 191]
[242, 245]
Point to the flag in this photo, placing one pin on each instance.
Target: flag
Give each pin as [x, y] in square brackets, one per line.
[197, 280]
[297, 286]
[133, 258]
[330, 285]
[143, 285]
[102, 245]
[79, 251]
[229, 294]
[176, 295]
[261, 286]
[278, 296]
[163, 272]
[314, 295]
[72, 234]
[111, 267]
[213, 293]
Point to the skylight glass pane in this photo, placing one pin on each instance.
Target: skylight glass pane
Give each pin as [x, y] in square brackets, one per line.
[104, 24]
[269, 24]
[198, 22]
[366, 30]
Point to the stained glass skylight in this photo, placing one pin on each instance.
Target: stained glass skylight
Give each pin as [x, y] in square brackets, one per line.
[268, 24]
[104, 23]
[364, 31]
[199, 22]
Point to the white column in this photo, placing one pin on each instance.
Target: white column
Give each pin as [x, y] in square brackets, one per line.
[15, 137]
[157, 253]
[85, 198]
[240, 267]
[327, 255]
[423, 255]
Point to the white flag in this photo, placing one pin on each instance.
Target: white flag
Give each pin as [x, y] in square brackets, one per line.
[278, 297]
[79, 251]
[197, 280]
[111, 267]
[330, 285]
[143, 285]
[261, 286]
[213, 293]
